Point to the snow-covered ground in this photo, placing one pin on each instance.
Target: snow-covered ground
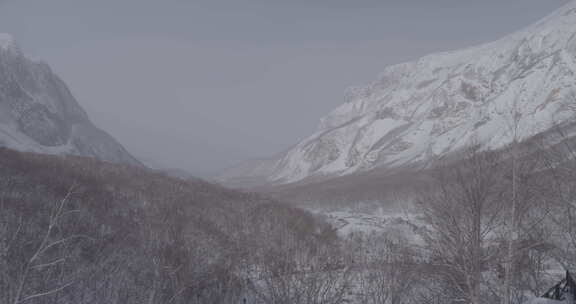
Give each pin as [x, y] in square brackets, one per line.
[545, 301]
[394, 224]
[422, 110]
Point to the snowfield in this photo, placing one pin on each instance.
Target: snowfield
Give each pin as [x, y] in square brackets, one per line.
[393, 224]
[421, 111]
[546, 301]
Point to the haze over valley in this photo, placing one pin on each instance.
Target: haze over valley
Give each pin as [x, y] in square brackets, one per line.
[177, 152]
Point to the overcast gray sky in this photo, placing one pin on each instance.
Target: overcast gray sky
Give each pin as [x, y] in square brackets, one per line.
[204, 84]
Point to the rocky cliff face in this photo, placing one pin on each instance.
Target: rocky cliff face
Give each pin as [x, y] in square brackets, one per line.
[39, 114]
[419, 111]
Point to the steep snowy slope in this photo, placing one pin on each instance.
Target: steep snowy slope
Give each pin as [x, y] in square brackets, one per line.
[39, 114]
[419, 111]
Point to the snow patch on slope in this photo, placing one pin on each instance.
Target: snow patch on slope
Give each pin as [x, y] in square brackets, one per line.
[38, 113]
[420, 111]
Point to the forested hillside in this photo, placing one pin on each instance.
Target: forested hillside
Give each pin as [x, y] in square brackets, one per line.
[77, 230]
[485, 228]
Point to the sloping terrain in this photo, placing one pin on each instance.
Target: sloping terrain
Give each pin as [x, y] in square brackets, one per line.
[78, 230]
[418, 112]
[39, 114]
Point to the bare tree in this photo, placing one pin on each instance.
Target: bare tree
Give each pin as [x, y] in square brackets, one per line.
[390, 274]
[40, 270]
[299, 266]
[463, 215]
[559, 153]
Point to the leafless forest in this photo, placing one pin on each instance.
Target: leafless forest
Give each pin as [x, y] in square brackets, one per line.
[492, 228]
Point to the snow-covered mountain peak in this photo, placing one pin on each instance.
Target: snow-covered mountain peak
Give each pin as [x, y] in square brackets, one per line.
[422, 110]
[38, 113]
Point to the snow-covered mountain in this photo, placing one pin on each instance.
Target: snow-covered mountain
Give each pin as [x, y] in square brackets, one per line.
[39, 114]
[419, 111]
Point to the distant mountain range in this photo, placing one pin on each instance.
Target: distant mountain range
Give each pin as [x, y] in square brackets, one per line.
[39, 114]
[418, 112]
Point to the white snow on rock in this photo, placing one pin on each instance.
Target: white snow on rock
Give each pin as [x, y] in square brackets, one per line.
[420, 111]
[38, 113]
